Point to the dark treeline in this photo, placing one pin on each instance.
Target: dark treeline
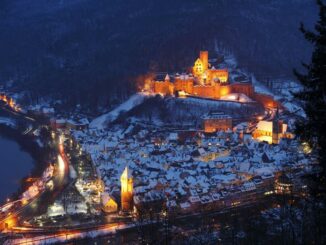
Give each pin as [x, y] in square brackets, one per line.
[90, 52]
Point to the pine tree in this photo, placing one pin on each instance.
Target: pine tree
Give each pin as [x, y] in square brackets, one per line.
[313, 94]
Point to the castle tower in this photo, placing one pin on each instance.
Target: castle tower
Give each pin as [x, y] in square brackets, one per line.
[126, 190]
[277, 128]
[204, 58]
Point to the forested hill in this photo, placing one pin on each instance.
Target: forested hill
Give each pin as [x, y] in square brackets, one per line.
[90, 51]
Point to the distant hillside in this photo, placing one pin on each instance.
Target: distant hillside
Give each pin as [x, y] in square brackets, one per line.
[90, 51]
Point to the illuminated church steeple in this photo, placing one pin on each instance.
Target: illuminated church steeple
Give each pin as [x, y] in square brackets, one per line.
[126, 190]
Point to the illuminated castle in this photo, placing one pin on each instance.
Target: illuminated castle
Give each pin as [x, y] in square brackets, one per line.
[204, 81]
[126, 190]
[208, 76]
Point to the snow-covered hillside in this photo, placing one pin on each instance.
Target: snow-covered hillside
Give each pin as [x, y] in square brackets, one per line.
[103, 120]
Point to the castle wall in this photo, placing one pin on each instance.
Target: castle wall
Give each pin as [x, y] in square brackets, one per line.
[243, 88]
[207, 91]
[212, 125]
[213, 91]
[210, 89]
[163, 87]
[220, 74]
[225, 90]
[186, 85]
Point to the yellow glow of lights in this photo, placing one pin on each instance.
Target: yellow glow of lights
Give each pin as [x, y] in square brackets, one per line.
[24, 201]
[306, 148]
[61, 164]
[126, 181]
[61, 139]
[10, 222]
[268, 193]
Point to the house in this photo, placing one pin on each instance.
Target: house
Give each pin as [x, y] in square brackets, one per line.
[216, 121]
[109, 204]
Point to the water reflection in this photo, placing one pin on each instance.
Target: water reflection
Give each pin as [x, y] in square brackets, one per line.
[14, 165]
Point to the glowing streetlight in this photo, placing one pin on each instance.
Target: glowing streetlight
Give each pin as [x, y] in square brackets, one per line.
[306, 148]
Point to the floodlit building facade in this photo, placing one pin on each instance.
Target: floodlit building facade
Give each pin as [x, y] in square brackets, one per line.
[205, 81]
[109, 203]
[216, 121]
[126, 190]
[271, 131]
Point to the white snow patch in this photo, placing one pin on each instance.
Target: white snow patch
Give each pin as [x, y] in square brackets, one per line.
[208, 102]
[72, 172]
[7, 121]
[133, 101]
[237, 97]
[260, 88]
[294, 108]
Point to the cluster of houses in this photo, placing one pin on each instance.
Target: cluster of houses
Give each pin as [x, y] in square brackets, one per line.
[187, 172]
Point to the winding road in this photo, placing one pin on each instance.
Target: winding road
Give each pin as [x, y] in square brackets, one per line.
[20, 211]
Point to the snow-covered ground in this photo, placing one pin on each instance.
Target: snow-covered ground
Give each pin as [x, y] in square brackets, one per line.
[7, 121]
[201, 167]
[294, 108]
[237, 97]
[214, 103]
[260, 87]
[103, 120]
[285, 88]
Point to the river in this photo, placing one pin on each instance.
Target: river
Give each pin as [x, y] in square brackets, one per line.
[14, 165]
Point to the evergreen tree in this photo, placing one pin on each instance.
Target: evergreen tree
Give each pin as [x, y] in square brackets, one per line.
[313, 94]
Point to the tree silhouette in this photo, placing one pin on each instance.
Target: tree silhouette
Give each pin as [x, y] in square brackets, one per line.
[310, 129]
[313, 94]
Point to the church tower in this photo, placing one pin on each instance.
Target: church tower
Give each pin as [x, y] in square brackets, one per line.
[126, 190]
[277, 128]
